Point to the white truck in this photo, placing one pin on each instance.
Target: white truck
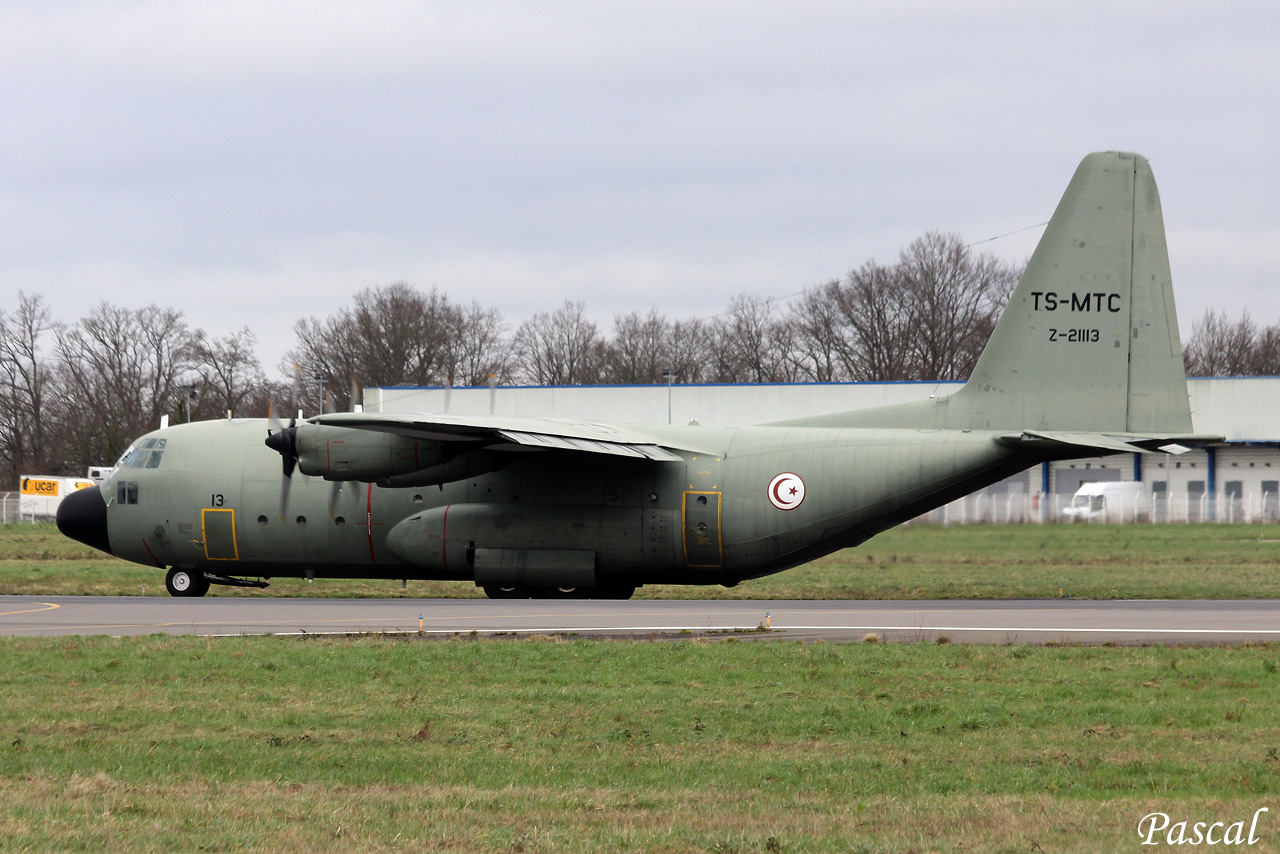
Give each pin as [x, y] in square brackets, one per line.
[1110, 501]
[40, 495]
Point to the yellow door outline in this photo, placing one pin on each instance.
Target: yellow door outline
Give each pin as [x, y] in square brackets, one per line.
[204, 533]
[684, 524]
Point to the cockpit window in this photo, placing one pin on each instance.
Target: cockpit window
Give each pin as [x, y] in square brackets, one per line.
[141, 458]
[146, 453]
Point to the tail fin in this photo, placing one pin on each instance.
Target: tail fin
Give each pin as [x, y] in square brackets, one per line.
[1089, 340]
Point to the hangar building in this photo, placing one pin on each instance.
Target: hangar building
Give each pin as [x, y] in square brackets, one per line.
[1235, 481]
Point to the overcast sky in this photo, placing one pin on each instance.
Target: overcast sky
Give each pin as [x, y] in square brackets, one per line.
[250, 163]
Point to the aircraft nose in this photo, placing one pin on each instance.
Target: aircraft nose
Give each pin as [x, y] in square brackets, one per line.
[82, 516]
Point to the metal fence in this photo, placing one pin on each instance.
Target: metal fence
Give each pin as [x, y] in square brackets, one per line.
[1050, 509]
[11, 509]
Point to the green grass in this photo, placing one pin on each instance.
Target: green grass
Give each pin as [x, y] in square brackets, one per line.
[380, 744]
[911, 562]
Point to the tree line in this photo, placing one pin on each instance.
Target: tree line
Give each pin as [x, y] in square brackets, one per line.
[74, 394]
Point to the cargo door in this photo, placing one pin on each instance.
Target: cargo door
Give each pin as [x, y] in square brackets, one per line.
[219, 527]
[700, 512]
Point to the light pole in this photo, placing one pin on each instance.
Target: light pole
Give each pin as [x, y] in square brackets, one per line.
[192, 394]
[670, 376]
[322, 385]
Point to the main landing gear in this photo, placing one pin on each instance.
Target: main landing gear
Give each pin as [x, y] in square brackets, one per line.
[612, 591]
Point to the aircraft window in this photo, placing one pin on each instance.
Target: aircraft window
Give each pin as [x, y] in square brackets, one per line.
[122, 492]
[131, 492]
[702, 500]
[148, 445]
[301, 520]
[127, 460]
[154, 460]
[160, 444]
[417, 499]
[262, 520]
[339, 521]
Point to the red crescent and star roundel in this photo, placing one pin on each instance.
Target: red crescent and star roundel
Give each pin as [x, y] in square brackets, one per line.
[786, 491]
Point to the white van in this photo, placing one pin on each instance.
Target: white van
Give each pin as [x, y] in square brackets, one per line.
[1110, 501]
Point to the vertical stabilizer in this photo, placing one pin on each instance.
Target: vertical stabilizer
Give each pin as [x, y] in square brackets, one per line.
[1089, 340]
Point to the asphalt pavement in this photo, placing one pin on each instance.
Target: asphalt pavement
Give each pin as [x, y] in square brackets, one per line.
[1183, 622]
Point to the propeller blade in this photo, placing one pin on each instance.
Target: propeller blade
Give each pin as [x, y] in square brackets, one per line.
[285, 443]
[283, 440]
[335, 493]
[284, 497]
[295, 394]
[330, 404]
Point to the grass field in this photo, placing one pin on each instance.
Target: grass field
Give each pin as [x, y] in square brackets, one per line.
[381, 744]
[913, 562]
[396, 744]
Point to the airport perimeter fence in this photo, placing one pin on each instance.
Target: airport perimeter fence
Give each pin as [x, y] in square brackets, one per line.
[11, 508]
[1034, 508]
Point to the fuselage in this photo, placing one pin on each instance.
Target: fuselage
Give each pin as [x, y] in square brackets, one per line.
[212, 498]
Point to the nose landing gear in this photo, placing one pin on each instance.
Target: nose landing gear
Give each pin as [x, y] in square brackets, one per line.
[186, 582]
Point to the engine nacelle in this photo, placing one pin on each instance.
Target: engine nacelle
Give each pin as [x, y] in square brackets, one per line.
[341, 453]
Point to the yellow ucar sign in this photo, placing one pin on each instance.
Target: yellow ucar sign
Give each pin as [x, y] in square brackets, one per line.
[46, 487]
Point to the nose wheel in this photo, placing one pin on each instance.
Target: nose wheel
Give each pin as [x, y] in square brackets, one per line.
[186, 582]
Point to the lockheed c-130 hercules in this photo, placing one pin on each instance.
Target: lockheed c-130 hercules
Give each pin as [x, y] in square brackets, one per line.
[1085, 361]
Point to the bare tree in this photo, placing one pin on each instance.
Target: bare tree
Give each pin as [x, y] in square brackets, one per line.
[819, 333]
[1219, 347]
[637, 353]
[875, 306]
[560, 347]
[119, 370]
[645, 347]
[479, 347]
[25, 378]
[230, 375]
[396, 335]
[954, 300]
[753, 345]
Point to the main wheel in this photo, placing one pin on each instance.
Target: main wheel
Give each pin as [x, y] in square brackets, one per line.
[186, 582]
[493, 591]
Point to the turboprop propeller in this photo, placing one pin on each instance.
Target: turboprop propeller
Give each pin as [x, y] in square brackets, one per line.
[284, 440]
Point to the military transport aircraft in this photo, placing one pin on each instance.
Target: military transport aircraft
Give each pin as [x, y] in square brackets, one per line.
[1085, 360]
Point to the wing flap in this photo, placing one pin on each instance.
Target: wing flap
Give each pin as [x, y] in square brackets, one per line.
[591, 446]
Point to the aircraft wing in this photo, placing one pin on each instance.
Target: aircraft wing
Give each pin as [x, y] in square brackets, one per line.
[1107, 443]
[515, 434]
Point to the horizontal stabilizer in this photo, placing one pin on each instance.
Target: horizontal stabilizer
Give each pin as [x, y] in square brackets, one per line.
[1105, 443]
